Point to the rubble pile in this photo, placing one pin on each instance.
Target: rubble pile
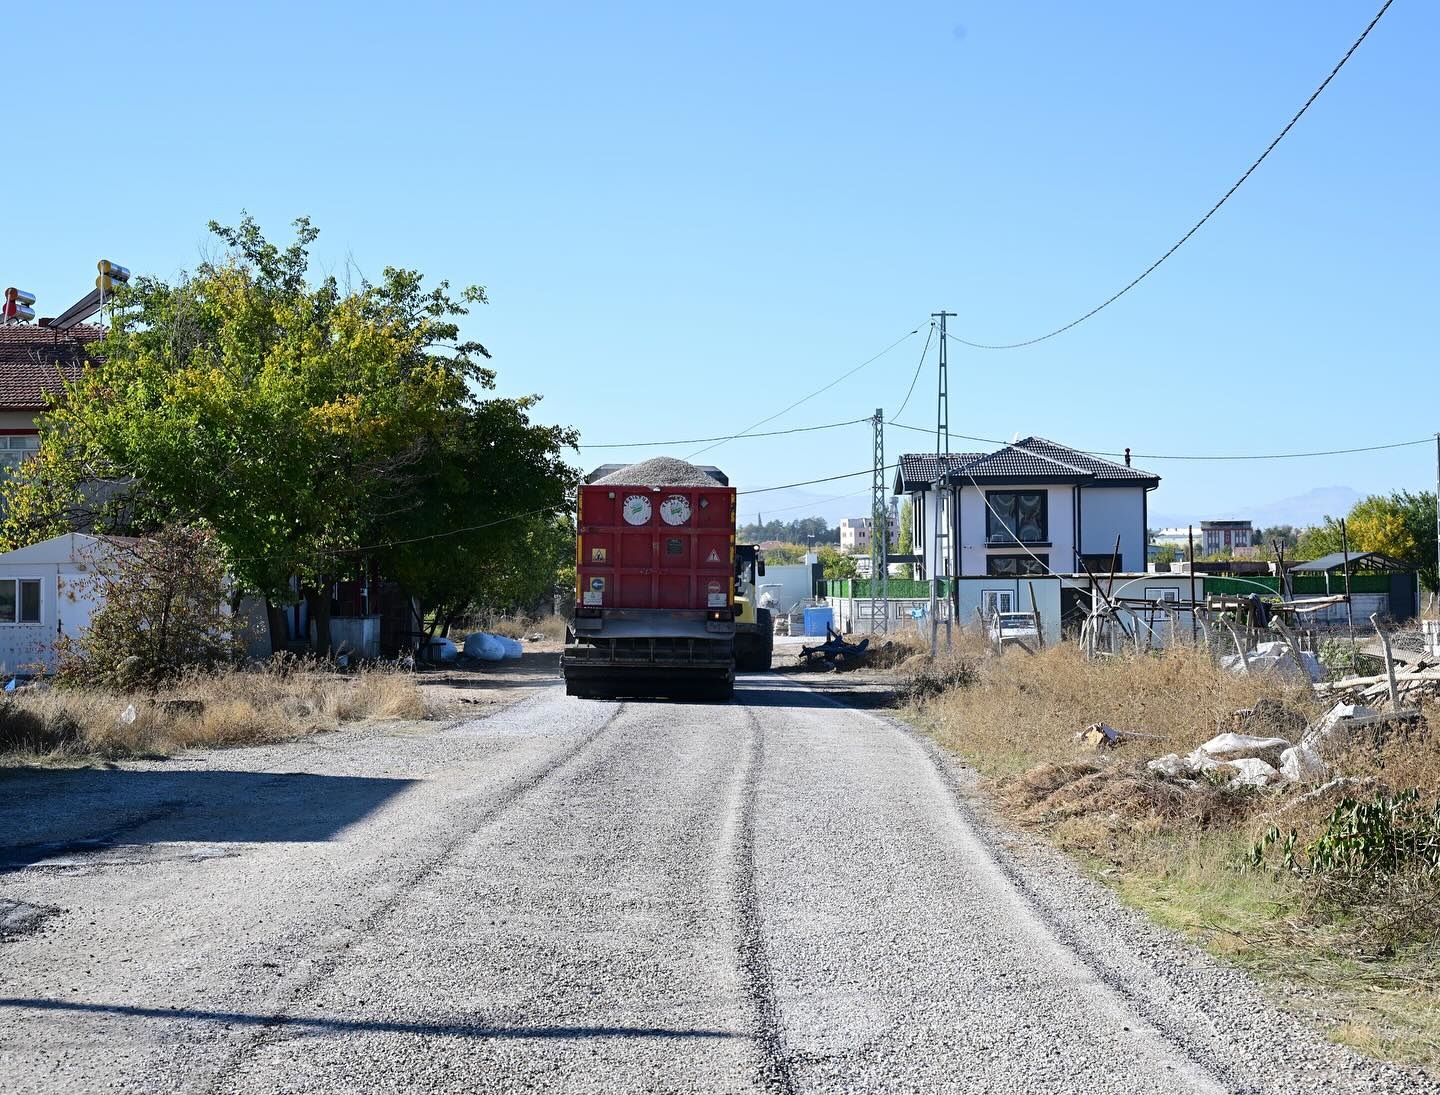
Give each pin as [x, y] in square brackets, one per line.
[1414, 685]
[1276, 657]
[1252, 760]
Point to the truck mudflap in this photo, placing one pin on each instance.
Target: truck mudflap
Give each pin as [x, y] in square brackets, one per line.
[675, 668]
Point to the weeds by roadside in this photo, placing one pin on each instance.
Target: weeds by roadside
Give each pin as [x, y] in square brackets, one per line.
[277, 701]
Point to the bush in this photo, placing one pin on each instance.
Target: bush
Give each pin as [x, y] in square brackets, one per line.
[945, 674]
[162, 612]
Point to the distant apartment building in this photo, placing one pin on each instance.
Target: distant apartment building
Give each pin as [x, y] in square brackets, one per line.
[855, 534]
[1211, 537]
[1217, 537]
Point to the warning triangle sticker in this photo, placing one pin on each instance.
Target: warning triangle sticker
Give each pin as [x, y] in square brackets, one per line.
[713, 557]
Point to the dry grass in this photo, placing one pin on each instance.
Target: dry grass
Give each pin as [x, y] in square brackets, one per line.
[522, 627]
[1364, 965]
[276, 702]
[1027, 709]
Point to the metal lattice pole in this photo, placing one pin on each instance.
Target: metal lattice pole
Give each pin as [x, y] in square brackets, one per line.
[879, 533]
[943, 517]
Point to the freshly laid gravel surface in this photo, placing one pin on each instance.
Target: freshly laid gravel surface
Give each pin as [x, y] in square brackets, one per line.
[659, 471]
[773, 895]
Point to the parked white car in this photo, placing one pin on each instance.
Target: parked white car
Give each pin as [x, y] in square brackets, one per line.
[1014, 627]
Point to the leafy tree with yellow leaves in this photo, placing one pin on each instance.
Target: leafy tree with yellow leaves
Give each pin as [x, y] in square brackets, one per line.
[309, 427]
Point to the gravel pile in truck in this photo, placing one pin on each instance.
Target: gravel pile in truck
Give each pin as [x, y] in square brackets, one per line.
[658, 471]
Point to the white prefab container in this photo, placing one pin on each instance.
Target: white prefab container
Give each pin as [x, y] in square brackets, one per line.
[47, 591]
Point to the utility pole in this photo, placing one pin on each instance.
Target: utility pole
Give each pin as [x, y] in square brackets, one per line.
[943, 547]
[879, 533]
[1437, 520]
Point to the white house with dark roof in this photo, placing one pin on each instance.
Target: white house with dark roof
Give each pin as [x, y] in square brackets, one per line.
[1031, 507]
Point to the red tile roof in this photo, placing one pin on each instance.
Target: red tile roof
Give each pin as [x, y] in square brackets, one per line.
[34, 362]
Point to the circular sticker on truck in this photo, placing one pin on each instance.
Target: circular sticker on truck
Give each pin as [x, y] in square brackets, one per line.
[636, 509]
[675, 510]
[716, 595]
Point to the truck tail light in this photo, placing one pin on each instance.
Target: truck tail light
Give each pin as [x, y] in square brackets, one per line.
[719, 614]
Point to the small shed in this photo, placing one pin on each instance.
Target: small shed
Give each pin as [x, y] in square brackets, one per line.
[1381, 583]
[47, 590]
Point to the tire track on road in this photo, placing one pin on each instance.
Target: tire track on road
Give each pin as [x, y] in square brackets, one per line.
[1091, 973]
[754, 961]
[325, 967]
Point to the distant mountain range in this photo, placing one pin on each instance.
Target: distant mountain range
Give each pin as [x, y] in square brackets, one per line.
[1300, 510]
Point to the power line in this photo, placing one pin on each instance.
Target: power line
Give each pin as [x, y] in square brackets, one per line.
[728, 437]
[1201, 222]
[819, 391]
[918, 366]
[812, 482]
[806, 505]
[1207, 456]
[556, 509]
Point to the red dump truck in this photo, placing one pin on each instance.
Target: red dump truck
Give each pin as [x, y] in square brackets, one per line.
[655, 584]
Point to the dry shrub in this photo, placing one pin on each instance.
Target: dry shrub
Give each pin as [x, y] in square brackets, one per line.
[378, 695]
[894, 651]
[522, 627]
[1113, 798]
[1026, 710]
[280, 700]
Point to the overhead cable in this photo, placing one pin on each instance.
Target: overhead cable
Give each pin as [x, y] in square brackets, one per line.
[727, 437]
[1198, 224]
[1207, 456]
[819, 391]
[918, 366]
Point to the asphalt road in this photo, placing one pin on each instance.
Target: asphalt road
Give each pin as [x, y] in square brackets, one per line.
[779, 894]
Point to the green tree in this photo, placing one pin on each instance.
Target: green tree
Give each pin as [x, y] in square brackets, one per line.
[785, 554]
[1165, 553]
[1287, 535]
[906, 537]
[1400, 524]
[302, 423]
[834, 565]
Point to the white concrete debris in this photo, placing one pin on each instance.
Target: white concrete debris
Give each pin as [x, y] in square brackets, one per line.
[1279, 658]
[1302, 764]
[1259, 762]
[1253, 772]
[659, 471]
[1335, 726]
[1228, 747]
[1172, 766]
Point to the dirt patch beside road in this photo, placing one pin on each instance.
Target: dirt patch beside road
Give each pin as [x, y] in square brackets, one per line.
[470, 689]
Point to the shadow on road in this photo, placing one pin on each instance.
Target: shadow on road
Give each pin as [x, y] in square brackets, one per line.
[56, 813]
[823, 691]
[454, 1029]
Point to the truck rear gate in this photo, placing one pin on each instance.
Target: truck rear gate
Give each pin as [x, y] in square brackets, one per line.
[655, 592]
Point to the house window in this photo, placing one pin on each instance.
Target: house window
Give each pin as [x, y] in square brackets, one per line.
[1017, 566]
[1100, 564]
[1161, 593]
[993, 602]
[19, 600]
[1016, 515]
[15, 448]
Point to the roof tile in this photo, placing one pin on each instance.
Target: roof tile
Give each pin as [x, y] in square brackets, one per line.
[35, 362]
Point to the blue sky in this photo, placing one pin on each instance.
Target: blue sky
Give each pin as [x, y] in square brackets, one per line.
[687, 219]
